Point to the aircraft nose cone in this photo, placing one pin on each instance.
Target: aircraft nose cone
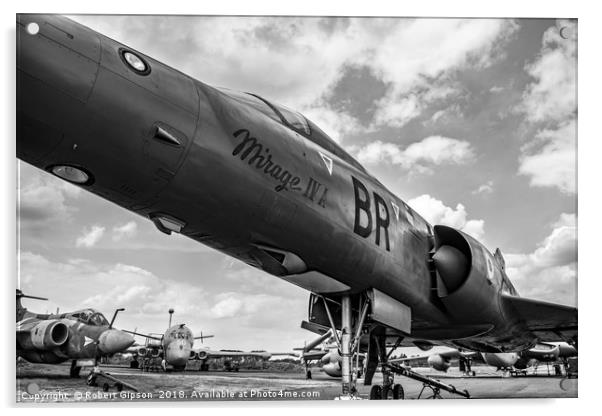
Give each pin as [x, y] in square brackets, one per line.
[113, 340]
[177, 354]
[452, 266]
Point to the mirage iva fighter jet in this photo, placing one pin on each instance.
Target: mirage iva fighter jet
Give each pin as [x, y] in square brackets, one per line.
[262, 183]
[82, 336]
[175, 348]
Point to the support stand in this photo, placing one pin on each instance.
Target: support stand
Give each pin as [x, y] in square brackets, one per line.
[435, 385]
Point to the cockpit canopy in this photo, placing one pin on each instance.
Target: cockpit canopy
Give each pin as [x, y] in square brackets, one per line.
[179, 332]
[293, 120]
[88, 317]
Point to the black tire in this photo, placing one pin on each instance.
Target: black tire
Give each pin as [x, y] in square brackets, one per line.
[134, 364]
[376, 393]
[106, 387]
[119, 386]
[398, 393]
[308, 375]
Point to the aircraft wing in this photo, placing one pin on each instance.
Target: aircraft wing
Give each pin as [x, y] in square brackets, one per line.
[444, 352]
[133, 349]
[549, 321]
[206, 353]
[142, 335]
[313, 355]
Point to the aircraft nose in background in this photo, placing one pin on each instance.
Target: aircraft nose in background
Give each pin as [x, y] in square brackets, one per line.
[113, 340]
[177, 353]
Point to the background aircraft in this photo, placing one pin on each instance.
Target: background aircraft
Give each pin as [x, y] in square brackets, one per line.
[262, 183]
[82, 336]
[175, 349]
[441, 357]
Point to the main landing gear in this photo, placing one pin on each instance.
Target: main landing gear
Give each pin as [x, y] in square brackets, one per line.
[351, 330]
[389, 390]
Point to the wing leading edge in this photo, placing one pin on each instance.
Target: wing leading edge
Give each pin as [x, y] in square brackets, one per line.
[548, 321]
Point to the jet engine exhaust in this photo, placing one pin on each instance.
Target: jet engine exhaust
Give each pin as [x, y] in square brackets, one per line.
[59, 333]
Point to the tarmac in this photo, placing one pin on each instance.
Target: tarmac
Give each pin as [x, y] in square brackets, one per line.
[40, 383]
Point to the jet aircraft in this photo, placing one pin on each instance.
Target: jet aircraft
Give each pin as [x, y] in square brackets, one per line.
[82, 336]
[262, 183]
[175, 348]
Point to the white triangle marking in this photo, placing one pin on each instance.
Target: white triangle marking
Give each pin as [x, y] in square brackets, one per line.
[327, 161]
[87, 341]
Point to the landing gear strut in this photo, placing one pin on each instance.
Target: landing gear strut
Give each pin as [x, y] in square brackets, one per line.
[74, 370]
[348, 344]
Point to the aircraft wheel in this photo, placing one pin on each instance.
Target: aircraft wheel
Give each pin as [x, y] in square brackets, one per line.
[376, 393]
[308, 375]
[134, 364]
[119, 386]
[398, 393]
[105, 387]
[236, 370]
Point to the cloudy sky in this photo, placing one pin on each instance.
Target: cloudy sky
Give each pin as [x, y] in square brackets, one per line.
[472, 122]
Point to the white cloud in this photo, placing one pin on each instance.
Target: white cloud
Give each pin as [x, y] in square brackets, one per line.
[550, 104]
[433, 150]
[227, 306]
[427, 54]
[43, 198]
[445, 115]
[553, 94]
[435, 212]
[334, 123]
[550, 159]
[90, 237]
[397, 111]
[145, 296]
[125, 231]
[485, 188]
[550, 271]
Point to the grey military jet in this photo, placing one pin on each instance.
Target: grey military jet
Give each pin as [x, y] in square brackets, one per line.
[83, 336]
